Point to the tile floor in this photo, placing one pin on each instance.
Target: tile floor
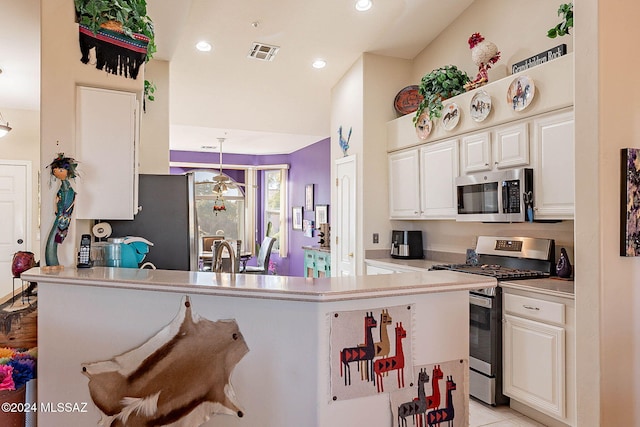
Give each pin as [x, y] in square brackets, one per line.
[481, 415]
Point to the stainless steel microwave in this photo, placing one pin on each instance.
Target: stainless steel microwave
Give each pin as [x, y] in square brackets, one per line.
[505, 196]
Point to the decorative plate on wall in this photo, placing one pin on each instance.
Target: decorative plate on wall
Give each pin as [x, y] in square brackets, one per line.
[521, 93]
[450, 116]
[407, 100]
[423, 126]
[480, 106]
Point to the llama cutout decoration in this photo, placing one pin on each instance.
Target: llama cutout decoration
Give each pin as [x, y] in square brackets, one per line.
[392, 363]
[359, 341]
[417, 407]
[361, 353]
[446, 414]
[446, 405]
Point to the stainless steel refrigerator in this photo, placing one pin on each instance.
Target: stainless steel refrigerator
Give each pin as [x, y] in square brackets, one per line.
[167, 218]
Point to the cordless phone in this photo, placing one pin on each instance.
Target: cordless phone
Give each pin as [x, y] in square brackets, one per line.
[84, 260]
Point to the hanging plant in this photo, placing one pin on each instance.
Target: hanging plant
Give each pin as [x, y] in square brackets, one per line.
[149, 90]
[566, 12]
[438, 85]
[121, 32]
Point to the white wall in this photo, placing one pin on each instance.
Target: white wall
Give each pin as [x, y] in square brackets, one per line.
[154, 126]
[608, 120]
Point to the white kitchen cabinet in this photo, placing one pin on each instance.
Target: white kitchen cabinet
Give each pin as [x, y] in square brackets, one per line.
[501, 148]
[374, 269]
[106, 137]
[421, 181]
[438, 171]
[553, 157]
[404, 184]
[475, 152]
[538, 353]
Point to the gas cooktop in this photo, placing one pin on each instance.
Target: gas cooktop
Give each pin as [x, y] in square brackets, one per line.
[508, 258]
[494, 270]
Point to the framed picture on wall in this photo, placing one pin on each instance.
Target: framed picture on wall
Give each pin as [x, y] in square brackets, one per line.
[322, 214]
[629, 210]
[296, 217]
[308, 197]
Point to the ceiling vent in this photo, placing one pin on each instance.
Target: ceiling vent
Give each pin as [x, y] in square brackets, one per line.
[263, 52]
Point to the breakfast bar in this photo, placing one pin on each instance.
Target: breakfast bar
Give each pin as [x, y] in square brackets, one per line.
[285, 379]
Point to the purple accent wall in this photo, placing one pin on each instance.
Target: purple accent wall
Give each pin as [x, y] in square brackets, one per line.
[309, 165]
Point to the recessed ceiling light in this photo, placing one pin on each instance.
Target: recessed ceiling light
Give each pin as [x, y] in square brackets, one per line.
[363, 5]
[319, 63]
[203, 46]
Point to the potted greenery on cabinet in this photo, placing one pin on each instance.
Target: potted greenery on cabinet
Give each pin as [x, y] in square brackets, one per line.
[438, 85]
[119, 30]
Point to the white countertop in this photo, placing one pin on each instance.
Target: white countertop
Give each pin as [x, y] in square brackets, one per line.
[550, 286]
[259, 286]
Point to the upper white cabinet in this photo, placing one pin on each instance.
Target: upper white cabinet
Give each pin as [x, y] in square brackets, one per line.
[438, 171]
[106, 136]
[421, 181]
[553, 159]
[511, 144]
[404, 184]
[503, 147]
[475, 152]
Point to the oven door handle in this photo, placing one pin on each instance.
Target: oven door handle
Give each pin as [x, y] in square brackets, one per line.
[480, 301]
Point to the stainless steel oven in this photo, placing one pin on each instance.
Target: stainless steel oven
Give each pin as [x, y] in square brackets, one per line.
[505, 258]
[485, 346]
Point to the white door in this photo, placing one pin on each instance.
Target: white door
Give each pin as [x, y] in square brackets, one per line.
[345, 217]
[14, 227]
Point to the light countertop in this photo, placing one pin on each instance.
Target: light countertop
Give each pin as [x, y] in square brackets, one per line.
[265, 286]
[551, 286]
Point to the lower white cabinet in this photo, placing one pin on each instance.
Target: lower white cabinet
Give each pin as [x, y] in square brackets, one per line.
[538, 356]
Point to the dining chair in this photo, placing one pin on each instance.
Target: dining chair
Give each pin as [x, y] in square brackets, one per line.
[264, 254]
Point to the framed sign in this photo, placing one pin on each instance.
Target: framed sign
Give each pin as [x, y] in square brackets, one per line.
[296, 217]
[308, 197]
[322, 214]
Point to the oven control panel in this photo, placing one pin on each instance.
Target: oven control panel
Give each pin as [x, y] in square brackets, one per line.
[509, 245]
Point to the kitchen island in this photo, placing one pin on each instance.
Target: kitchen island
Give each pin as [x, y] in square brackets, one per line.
[89, 315]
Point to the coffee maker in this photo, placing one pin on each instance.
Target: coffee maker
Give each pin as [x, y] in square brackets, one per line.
[406, 244]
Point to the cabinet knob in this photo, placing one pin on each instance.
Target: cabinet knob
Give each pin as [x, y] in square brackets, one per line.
[350, 254]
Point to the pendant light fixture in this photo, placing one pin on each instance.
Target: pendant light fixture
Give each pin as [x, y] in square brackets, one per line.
[4, 126]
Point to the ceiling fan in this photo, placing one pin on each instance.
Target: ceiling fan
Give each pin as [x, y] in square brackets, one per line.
[221, 181]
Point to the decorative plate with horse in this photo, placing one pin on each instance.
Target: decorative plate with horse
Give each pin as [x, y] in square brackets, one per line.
[521, 93]
[450, 116]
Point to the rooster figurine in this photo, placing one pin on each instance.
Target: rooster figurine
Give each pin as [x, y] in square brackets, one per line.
[344, 143]
[484, 54]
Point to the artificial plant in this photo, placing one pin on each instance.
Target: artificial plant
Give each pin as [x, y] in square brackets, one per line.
[438, 85]
[566, 12]
[131, 14]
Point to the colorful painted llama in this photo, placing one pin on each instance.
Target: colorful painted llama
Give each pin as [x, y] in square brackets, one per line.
[447, 414]
[433, 401]
[365, 352]
[392, 363]
[416, 407]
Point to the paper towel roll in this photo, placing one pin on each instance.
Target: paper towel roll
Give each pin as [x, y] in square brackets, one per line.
[102, 230]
